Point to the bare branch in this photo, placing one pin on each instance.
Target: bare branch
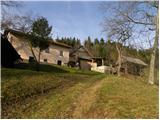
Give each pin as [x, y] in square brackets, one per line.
[136, 22]
[10, 3]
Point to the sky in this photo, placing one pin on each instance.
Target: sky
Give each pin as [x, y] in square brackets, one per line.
[78, 19]
[69, 19]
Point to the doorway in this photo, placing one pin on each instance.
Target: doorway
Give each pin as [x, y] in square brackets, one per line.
[59, 62]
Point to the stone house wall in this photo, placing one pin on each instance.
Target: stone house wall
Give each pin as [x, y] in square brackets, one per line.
[53, 56]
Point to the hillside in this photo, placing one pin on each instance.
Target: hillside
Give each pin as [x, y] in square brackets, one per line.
[61, 92]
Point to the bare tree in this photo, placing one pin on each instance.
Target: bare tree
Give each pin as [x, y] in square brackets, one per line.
[141, 15]
[23, 23]
[13, 20]
[10, 3]
[121, 33]
[7, 17]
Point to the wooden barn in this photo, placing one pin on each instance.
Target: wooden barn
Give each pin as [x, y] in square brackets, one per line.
[132, 65]
[80, 57]
[87, 63]
[83, 58]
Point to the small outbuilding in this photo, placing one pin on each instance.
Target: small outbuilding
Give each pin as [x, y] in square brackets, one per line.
[80, 57]
[85, 63]
[83, 58]
[132, 65]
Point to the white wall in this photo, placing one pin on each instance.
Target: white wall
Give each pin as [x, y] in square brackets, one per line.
[103, 69]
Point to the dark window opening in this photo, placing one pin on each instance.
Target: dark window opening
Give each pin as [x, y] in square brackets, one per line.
[47, 50]
[61, 53]
[31, 59]
[59, 62]
[45, 60]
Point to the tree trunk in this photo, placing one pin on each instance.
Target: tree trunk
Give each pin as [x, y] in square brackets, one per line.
[152, 63]
[38, 63]
[39, 56]
[153, 54]
[119, 61]
[33, 53]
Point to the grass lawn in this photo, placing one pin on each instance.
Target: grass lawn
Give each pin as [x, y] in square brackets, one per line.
[62, 92]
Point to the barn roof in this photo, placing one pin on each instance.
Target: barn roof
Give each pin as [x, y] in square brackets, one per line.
[133, 60]
[15, 32]
[60, 44]
[77, 49]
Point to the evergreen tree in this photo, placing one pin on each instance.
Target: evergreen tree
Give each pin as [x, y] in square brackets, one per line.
[88, 44]
[102, 41]
[96, 41]
[40, 36]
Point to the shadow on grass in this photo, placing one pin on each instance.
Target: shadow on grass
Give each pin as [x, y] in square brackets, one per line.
[42, 68]
[29, 69]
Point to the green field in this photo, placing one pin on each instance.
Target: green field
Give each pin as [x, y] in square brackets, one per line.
[62, 92]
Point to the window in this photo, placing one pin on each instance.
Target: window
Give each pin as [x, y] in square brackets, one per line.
[47, 50]
[61, 53]
[45, 60]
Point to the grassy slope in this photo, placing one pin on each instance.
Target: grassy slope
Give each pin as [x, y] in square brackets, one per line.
[25, 88]
[125, 98]
[53, 94]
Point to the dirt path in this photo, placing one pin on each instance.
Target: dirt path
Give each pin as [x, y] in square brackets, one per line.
[85, 100]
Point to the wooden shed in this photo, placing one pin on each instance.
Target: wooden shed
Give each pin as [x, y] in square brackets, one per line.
[79, 54]
[132, 65]
[85, 63]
